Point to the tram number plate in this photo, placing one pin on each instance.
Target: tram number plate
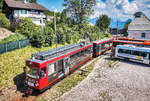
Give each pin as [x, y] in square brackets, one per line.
[30, 84]
[139, 57]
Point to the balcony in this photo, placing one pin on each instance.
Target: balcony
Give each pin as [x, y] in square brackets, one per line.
[31, 15]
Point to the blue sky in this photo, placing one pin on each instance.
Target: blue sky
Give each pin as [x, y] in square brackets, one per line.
[52, 4]
[121, 10]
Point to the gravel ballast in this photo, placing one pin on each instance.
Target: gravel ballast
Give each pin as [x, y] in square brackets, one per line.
[124, 81]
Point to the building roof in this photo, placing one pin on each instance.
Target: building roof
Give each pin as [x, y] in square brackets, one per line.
[140, 22]
[22, 5]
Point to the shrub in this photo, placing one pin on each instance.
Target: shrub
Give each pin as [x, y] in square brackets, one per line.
[38, 39]
[4, 22]
[48, 33]
[13, 37]
[27, 27]
[43, 36]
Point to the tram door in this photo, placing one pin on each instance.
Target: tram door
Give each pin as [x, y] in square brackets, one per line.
[66, 65]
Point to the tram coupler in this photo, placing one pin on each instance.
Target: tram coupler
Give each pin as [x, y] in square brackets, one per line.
[29, 91]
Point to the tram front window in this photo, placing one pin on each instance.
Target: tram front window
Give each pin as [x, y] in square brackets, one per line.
[33, 72]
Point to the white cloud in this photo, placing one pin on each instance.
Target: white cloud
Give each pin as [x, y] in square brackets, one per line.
[54, 9]
[100, 4]
[121, 9]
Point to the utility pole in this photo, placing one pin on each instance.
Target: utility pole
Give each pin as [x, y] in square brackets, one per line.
[117, 28]
[55, 28]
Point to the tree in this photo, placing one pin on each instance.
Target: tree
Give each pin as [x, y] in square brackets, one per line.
[4, 22]
[63, 17]
[80, 10]
[103, 22]
[27, 27]
[51, 13]
[126, 28]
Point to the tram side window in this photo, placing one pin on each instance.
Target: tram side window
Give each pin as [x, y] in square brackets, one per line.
[124, 51]
[120, 51]
[104, 45]
[74, 58]
[51, 68]
[135, 53]
[88, 51]
[43, 72]
[128, 51]
[110, 43]
[116, 43]
[145, 55]
[60, 66]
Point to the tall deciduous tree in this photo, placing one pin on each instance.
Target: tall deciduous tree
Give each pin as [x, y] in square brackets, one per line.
[80, 10]
[103, 22]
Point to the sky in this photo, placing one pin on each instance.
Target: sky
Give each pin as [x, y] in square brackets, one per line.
[121, 10]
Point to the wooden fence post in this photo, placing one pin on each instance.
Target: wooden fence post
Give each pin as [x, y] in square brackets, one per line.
[5, 47]
[19, 43]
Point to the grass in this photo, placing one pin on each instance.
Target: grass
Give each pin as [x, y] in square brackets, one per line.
[68, 83]
[13, 37]
[12, 64]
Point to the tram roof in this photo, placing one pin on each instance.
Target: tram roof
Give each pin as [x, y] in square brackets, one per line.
[103, 40]
[128, 41]
[47, 55]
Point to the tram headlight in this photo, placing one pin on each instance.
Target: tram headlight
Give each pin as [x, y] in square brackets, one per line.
[36, 83]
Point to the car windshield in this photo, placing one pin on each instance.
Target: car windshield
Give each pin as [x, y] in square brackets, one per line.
[33, 72]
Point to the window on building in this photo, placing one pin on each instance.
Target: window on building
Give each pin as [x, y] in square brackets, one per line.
[143, 35]
[33, 11]
[16, 12]
[44, 21]
[138, 14]
[23, 11]
[41, 13]
[40, 20]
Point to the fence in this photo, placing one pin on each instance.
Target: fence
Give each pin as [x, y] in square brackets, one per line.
[6, 47]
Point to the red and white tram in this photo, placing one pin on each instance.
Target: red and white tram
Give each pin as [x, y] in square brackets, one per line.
[47, 67]
[101, 46]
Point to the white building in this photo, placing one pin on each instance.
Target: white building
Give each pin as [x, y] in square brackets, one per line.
[139, 28]
[15, 10]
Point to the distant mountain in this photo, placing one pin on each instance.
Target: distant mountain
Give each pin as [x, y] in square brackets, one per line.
[113, 23]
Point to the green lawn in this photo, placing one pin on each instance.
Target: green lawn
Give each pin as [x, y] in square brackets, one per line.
[12, 63]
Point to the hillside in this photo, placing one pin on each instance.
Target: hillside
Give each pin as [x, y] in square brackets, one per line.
[4, 33]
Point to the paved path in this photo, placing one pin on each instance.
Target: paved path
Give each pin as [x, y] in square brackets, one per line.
[125, 81]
